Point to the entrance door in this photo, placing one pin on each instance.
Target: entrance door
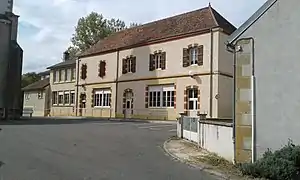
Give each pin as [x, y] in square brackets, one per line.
[193, 102]
[129, 105]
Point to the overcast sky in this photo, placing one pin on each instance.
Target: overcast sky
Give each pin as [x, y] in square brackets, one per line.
[46, 26]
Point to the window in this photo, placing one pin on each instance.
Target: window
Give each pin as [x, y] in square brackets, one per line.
[129, 65]
[66, 74]
[102, 98]
[157, 61]
[72, 97]
[193, 55]
[27, 96]
[73, 71]
[40, 95]
[102, 69]
[54, 76]
[83, 71]
[193, 98]
[54, 98]
[61, 98]
[60, 75]
[161, 96]
[67, 97]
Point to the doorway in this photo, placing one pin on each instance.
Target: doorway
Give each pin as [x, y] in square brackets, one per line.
[128, 104]
[193, 102]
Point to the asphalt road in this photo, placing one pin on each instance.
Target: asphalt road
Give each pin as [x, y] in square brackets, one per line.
[90, 151]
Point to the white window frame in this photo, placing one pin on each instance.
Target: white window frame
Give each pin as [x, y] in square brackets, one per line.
[73, 74]
[66, 93]
[55, 98]
[158, 101]
[27, 96]
[60, 93]
[194, 56]
[157, 60]
[129, 67]
[40, 95]
[72, 92]
[103, 97]
[54, 76]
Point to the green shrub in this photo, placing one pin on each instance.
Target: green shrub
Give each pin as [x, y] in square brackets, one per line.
[282, 164]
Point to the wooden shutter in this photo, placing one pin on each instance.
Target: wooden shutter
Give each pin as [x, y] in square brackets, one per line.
[133, 64]
[146, 97]
[83, 71]
[186, 57]
[185, 100]
[92, 98]
[163, 60]
[102, 68]
[151, 62]
[200, 55]
[124, 66]
[99, 69]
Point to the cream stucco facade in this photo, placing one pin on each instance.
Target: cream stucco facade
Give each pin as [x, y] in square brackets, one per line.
[213, 80]
[64, 86]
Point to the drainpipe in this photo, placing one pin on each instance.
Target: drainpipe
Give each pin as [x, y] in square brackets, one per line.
[77, 88]
[232, 48]
[211, 72]
[117, 82]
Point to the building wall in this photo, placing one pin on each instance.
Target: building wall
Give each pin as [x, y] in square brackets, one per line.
[225, 96]
[69, 85]
[276, 54]
[174, 73]
[31, 100]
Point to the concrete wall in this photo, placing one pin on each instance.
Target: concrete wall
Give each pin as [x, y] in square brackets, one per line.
[31, 100]
[217, 139]
[276, 43]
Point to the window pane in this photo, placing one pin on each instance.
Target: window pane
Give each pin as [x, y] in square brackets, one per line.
[191, 105]
[164, 99]
[158, 99]
[150, 99]
[172, 98]
[195, 93]
[154, 98]
[100, 99]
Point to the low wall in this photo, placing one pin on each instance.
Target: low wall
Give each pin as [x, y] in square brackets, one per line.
[216, 137]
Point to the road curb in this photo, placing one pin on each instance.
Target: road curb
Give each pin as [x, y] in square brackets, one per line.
[200, 167]
[146, 121]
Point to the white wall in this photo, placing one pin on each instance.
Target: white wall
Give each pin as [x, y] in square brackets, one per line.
[217, 139]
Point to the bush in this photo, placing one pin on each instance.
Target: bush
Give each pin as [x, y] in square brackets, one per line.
[282, 164]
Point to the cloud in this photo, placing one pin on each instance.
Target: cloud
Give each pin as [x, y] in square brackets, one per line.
[46, 26]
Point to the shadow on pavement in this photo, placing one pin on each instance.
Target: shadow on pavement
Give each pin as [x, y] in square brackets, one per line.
[52, 120]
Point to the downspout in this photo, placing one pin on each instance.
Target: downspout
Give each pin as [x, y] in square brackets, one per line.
[117, 82]
[77, 88]
[211, 72]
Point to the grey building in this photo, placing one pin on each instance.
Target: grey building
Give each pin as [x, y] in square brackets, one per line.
[267, 79]
[11, 55]
[37, 96]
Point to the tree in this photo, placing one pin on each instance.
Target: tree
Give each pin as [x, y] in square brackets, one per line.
[29, 78]
[93, 28]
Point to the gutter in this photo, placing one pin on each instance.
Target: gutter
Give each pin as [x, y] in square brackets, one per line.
[117, 82]
[77, 88]
[211, 73]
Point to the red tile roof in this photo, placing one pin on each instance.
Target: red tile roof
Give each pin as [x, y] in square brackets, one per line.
[198, 21]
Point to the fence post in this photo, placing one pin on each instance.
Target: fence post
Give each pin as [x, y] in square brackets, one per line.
[180, 123]
[202, 117]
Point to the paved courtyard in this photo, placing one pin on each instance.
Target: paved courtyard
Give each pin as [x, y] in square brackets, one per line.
[89, 150]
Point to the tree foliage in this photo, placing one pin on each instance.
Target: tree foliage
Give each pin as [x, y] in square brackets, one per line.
[29, 78]
[93, 28]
